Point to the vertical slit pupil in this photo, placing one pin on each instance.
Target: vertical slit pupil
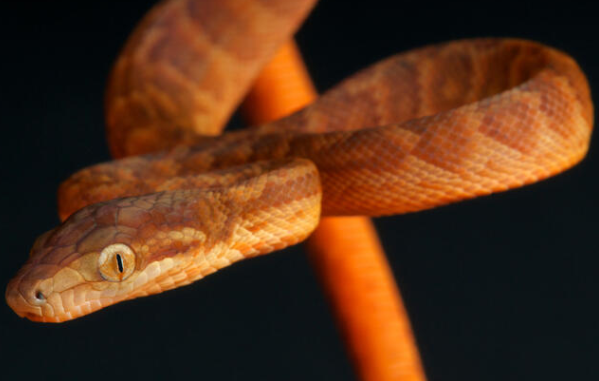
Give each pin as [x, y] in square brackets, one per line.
[119, 262]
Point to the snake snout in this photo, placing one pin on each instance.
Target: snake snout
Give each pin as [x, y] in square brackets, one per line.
[24, 305]
[27, 296]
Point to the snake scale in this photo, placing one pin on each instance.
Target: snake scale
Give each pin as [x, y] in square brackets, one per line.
[417, 130]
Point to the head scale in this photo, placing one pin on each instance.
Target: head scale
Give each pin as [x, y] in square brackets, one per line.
[101, 256]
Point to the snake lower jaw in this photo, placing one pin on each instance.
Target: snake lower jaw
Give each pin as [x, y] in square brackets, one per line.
[49, 312]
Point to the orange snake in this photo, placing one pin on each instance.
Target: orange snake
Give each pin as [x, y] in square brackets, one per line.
[418, 130]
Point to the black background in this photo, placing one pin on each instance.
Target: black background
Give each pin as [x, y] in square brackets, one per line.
[502, 287]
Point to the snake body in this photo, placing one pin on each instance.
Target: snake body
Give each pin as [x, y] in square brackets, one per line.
[418, 130]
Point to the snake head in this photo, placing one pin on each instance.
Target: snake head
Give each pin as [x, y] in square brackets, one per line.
[136, 246]
[75, 268]
[100, 256]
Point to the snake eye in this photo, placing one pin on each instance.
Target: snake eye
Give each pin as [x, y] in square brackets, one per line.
[116, 262]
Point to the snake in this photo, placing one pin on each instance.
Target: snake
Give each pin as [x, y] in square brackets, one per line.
[420, 129]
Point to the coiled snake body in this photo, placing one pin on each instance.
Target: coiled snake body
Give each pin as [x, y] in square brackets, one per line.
[418, 130]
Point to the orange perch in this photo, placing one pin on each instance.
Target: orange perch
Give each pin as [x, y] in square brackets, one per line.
[345, 251]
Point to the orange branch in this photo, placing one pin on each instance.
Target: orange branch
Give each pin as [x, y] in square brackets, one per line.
[282, 87]
[345, 251]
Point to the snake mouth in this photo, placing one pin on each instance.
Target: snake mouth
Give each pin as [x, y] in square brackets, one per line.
[36, 308]
[47, 313]
[40, 318]
[38, 315]
[21, 307]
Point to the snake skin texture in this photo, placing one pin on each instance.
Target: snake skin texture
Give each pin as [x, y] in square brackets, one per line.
[418, 130]
[187, 66]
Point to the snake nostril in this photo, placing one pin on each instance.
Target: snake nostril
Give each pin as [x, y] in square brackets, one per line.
[39, 297]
